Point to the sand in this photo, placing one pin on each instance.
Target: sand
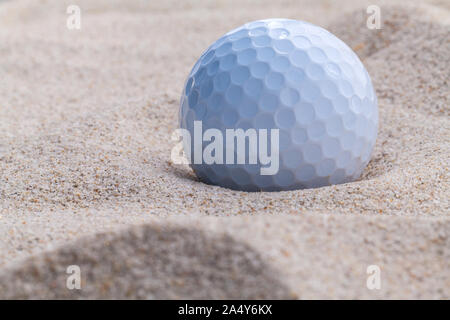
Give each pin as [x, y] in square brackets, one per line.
[86, 118]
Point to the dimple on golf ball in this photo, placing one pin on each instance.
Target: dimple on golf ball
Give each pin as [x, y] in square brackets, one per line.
[287, 75]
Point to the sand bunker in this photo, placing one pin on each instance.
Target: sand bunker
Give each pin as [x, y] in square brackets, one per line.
[86, 119]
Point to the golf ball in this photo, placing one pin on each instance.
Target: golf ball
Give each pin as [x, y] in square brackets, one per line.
[302, 98]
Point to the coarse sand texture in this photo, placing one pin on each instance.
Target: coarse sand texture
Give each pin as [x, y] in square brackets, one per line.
[86, 119]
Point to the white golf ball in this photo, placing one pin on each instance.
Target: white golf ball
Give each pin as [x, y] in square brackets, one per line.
[287, 75]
